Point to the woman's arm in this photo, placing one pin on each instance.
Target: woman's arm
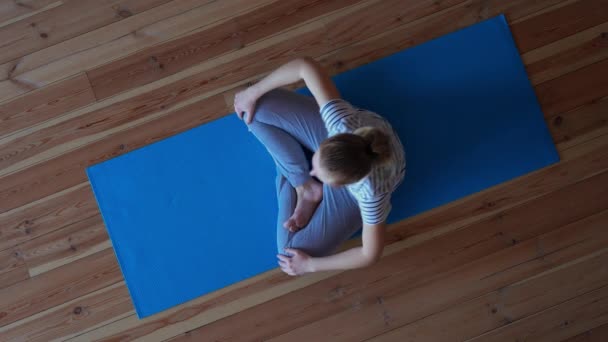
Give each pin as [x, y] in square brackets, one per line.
[357, 257]
[314, 75]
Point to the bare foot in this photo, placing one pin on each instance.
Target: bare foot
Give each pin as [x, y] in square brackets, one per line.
[309, 196]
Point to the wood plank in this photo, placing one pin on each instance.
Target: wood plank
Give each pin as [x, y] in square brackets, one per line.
[597, 334]
[12, 268]
[412, 262]
[176, 55]
[402, 303]
[369, 22]
[579, 121]
[559, 322]
[574, 89]
[14, 11]
[45, 103]
[518, 9]
[554, 25]
[63, 22]
[581, 145]
[58, 286]
[506, 305]
[567, 55]
[155, 25]
[113, 41]
[65, 245]
[47, 215]
[432, 26]
[83, 313]
[163, 60]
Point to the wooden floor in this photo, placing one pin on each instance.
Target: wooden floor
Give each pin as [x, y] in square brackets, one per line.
[84, 81]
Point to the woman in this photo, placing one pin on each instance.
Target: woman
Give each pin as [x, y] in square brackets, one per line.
[357, 156]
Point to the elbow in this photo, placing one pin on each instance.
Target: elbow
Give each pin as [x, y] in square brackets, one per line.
[306, 65]
[372, 259]
[306, 60]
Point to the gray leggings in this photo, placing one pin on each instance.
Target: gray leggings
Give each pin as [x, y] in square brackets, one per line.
[290, 127]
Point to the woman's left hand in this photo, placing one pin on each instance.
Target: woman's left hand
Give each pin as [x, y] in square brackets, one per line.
[244, 102]
[298, 264]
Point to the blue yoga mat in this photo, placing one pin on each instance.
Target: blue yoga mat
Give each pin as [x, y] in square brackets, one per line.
[197, 211]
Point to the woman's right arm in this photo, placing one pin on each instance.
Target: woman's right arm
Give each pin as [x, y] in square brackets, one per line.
[314, 75]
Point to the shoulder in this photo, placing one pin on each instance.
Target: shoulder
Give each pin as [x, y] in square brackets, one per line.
[339, 116]
[336, 104]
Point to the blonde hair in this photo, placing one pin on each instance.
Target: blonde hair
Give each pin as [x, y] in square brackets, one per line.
[351, 156]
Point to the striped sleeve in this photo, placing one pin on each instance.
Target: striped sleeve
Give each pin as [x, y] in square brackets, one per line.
[375, 210]
[339, 116]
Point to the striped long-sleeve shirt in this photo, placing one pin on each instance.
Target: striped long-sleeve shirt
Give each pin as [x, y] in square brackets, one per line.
[373, 192]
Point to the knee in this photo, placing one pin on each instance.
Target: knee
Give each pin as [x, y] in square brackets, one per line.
[315, 249]
[269, 105]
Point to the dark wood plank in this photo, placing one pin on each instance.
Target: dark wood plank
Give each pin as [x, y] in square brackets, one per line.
[69, 319]
[506, 305]
[597, 334]
[562, 22]
[61, 23]
[12, 11]
[368, 22]
[114, 41]
[579, 121]
[559, 322]
[171, 57]
[574, 89]
[58, 286]
[64, 245]
[46, 103]
[164, 60]
[280, 16]
[47, 215]
[387, 42]
[591, 46]
[12, 268]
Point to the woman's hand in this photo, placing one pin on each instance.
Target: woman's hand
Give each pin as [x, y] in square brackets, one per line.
[298, 264]
[244, 103]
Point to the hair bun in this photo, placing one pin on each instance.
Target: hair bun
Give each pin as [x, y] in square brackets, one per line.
[378, 147]
[370, 150]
